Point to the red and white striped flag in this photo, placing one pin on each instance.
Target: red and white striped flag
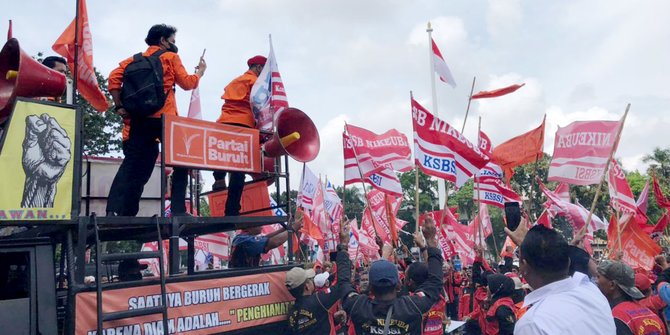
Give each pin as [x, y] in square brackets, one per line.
[621, 197]
[267, 95]
[494, 192]
[376, 202]
[441, 151]
[576, 214]
[581, 151]
[385, 180]
[440, 66]
[217, 244]
[491, 170]
[389, 150]
[462, 237]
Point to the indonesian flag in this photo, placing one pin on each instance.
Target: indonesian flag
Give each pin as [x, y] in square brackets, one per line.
[661, 200]
[493, 192]
[375, 153]
[440, 66]
[87, 81]
[519, 150]
[497, 93]
[267, 95]
[194, 110]
[385, 180]
[309, 183]
[441, 151]
[582, 150]
[621, 197]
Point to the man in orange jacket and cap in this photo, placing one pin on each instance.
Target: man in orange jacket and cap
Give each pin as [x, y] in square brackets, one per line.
[236, 111]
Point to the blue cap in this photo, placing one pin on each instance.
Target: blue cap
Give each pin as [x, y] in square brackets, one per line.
[383, 273]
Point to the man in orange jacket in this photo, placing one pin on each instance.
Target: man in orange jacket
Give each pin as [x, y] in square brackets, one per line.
[141, 147]
[236, 111]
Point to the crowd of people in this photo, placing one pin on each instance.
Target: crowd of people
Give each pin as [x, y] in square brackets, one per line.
[556, 288]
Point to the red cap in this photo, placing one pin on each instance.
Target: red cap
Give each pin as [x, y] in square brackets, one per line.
[642, 282]
[257, 60]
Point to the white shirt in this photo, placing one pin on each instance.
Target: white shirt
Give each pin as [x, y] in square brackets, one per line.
[570, 306]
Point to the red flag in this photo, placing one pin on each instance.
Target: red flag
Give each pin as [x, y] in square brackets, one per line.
[638, 248]
[621, 197]
[582, 150]
[9, 31]
[661, 200]
[643, 199]
[392, 224]
[519, 150]
[440, 66]
[87, 80]
[544, 220]
[497, 93]
[485, 144]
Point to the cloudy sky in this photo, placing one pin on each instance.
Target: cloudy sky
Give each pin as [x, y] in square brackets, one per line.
[356, 61]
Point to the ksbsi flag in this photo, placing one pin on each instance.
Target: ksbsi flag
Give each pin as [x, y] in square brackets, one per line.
[441, 151]
[87, 81]
[375, 153]
[621, 197]
[582, 150]
[491, 170]
[494, 192]
[267, 95]
[385, 180]
[440, 66]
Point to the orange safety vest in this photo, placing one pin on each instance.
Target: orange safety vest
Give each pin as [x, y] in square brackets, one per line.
[639, 319]
[492, 326]
[432, 321]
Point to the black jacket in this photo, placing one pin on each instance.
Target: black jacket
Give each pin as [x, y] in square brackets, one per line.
[309, 314]
[369, 315]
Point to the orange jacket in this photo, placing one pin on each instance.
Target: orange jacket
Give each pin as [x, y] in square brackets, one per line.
[237, 106]
[173, 72]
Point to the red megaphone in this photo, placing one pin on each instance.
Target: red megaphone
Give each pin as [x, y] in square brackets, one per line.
[295, 135]
[22, 76]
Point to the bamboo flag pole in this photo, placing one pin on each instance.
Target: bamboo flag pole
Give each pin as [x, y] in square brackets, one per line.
[467, 110]
[602, 180]
[441, 187]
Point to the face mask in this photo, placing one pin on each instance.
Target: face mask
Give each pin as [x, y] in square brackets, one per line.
[172, 47]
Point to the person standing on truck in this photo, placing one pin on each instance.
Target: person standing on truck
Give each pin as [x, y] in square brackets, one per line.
[249, 245]
[313, 308]
[142, 88]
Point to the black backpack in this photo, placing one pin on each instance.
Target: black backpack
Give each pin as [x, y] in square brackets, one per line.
[142, 93]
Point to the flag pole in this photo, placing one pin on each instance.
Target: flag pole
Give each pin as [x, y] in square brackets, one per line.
[441, 187]
[365, 191]
[416, 185]
[467, 110]
[76, 52]
[602, 180]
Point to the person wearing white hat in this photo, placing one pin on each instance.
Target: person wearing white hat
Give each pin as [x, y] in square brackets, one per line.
[321, 281]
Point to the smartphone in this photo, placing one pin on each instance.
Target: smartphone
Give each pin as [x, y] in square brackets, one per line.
[512, 215]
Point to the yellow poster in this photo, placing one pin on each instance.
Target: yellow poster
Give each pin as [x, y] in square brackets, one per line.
[37, 163]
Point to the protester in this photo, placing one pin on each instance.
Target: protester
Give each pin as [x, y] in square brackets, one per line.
[130, 269]
[364, 287]
[500, 317]
[249, 245]
[321, 281]
[616, 281]
[55, 63]
[312, 312]
[452, 287]
[559, 304]
[385, 312]
[236, 111]
[141, 148]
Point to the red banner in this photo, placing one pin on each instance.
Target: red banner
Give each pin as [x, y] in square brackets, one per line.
[581, 151]
[441, 151]
[621, 197]
[194, 307]
[210, 145]
[389, 150]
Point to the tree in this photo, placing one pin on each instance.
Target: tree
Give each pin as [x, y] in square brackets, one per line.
[352, 200]
[659, 164]
[293, 197]
[427, 199]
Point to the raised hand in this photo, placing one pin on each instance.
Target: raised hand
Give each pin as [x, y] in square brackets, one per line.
[344, 232]
[519, 234]
[429, 232]
[46, 152]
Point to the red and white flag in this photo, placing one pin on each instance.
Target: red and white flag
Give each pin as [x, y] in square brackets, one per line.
[441, 151]
[491, 170]
[309, 183]
[494, 192]
[440, 66]
[385, 180]
[320, 218]
[446, 245]
[485, 144]
[217, 244]
[496, 93]
[582, 150]
[576, 214]
[380, 222]
[643, 199]
[276, 254]
[621, 197]
[333, 205]
[389, 150]
[87, 81]
[194, 109]
[462, 237]
[366, 241]
[267, 96]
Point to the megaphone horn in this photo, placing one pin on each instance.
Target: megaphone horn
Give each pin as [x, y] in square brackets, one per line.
[22, 76]
[295, 135]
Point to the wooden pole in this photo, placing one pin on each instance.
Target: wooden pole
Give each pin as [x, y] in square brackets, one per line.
[467, 110]
[602, 180]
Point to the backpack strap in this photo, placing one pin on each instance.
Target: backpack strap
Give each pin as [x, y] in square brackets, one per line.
[387, 322]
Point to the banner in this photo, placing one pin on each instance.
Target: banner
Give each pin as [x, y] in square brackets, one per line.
[389, 150]
[493, 192]
[581, 151]
[621, 197]
[385, 180]
[37, 160]
[441, 151]
[267, 95]
[210, 145]
[194, 307]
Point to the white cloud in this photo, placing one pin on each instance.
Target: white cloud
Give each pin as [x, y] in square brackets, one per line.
[503, 18]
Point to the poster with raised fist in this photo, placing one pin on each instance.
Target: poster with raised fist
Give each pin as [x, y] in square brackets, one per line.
[37, 163]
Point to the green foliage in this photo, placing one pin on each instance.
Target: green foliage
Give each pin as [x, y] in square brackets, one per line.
[352, 200]
[102, 131]
[427, 197]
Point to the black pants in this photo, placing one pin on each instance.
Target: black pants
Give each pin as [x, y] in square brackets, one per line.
[235, 186]
[141, 151]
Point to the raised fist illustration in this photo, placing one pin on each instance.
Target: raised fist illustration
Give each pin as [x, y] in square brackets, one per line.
[46, 152]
